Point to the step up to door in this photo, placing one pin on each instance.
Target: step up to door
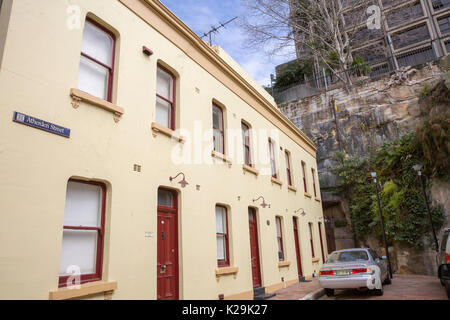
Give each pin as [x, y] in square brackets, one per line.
[302, 279]
[259, 293]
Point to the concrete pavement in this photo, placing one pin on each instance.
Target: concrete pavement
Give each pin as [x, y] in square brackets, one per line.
[403, 287]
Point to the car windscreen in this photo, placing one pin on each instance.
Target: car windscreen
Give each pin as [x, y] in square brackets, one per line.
[348, 256]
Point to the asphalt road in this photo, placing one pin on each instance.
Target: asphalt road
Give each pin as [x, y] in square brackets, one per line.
[403, 287]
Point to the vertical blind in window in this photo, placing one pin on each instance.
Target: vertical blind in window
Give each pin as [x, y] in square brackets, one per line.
[272, 159]
[246, 144]
[279, 239]
[82, 227]
[305, 186]
[221, 235]
[218, 130]
[165, 99]
[96, 64]
[288, 168]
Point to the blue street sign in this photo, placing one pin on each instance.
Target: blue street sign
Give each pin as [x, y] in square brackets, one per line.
[40, 124]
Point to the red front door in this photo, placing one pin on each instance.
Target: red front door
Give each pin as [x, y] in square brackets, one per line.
[254, 248]
[167, 263]
[297, 248]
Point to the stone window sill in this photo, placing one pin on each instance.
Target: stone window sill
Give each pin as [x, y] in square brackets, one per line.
[292, 188]
[276, 181]
[282, 264]
[157, 128]
[84, 290]
[220, 156]
[81, 96]
[247, 168]
[308, 195]
[317, 199]
[315, 260]
[226, 271]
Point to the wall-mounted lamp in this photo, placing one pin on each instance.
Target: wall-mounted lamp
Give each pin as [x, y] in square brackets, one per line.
[301, 211]
[263, 204]
[417, 168]
[183, 182]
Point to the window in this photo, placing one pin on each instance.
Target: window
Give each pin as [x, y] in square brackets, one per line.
[246, 144]
[313, 173]
[288, 168]
[440, 4]
[84, 229]
[304, 177]
[165, 98]
[444, 25]
[311, 240]
[348, 256]
[279, 239]
[218, 128]
[272, 159]
[222, 236]
[95, 75]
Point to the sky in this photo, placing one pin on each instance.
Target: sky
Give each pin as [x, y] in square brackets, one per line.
[202, 15]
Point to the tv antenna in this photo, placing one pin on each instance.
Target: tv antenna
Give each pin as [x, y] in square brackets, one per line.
[216, 30]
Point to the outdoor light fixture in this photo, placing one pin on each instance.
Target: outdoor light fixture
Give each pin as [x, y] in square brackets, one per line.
[374, 176]
[183, 182]
[263, 204]
[301, 210]
[417, 168]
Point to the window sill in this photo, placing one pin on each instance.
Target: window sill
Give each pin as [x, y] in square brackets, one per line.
[84, 290]
[315, 260]
[317, 199]
[247, 168]
[292, 188]
[282, 264]
[276, 181]
[157, 128]
[81, 96]
[223, 271]
[220, 156]
[308, 195]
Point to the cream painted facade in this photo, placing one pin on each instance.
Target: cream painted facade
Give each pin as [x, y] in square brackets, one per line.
[40, 55]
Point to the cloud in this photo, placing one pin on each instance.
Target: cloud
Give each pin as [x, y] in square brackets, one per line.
[202, 15]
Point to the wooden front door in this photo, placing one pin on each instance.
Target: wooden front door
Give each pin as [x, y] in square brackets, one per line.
[254, 248]
[167, 261]
[297, 248]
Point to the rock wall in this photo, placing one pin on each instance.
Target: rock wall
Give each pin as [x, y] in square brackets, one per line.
[375, 112]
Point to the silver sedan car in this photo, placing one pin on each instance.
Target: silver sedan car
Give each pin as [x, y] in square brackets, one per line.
[354, 269]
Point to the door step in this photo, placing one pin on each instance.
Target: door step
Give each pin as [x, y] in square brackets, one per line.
[302, 279]
[259, 293]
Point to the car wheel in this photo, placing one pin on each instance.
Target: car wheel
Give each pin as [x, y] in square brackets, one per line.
[388, 279]
[329, 292]
[378, 292]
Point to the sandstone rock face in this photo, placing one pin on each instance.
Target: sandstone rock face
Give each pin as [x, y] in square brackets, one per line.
[375, 112]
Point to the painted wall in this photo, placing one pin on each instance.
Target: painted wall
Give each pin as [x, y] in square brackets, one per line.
[39, 67]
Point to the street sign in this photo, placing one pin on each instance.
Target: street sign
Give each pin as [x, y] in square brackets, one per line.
[40, 124]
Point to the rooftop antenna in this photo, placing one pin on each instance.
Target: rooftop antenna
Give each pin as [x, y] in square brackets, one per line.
[216, 30]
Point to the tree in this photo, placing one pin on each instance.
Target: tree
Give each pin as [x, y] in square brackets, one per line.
[323, 29]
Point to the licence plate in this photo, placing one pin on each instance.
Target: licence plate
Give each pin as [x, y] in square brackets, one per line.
[342, 272]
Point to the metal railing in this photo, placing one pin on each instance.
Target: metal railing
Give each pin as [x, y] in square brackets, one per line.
[418, 56]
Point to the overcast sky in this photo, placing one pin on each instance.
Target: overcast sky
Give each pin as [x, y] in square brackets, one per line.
[201, 15]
